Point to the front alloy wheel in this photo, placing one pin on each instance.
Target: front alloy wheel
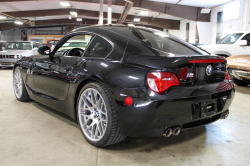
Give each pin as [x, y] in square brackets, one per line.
[19, 87]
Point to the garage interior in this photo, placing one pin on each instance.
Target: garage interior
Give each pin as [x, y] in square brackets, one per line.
[33, 134]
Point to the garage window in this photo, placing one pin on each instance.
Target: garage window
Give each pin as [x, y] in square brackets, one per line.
[99, 48]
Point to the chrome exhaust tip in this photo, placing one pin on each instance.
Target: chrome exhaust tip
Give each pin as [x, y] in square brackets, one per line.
[176, 131]
[225, 115]
[168, 132]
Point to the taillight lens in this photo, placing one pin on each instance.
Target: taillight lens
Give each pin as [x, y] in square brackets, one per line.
[207, 61]
[161, 81]
[227, 75]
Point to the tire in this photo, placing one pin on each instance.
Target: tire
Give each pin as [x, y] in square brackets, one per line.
[21, 94]
[104, 130]
[240, 82]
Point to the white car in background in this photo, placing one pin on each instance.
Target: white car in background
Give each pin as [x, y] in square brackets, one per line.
[14, 51]
[237, 43]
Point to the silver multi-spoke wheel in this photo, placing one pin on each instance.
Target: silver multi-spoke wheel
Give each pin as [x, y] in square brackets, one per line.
[18, 83]
[92, 114]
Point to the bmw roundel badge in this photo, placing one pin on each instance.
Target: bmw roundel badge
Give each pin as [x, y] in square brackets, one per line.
[209, 70]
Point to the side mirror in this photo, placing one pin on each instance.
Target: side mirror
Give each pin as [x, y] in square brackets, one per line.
[243, 43]
[44, 50]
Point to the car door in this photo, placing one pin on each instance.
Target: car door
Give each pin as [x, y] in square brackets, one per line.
[52, 74]
[242, 50]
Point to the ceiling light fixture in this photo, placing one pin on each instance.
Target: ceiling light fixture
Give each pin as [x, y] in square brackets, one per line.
[79, 19]
[205, 11]
[18, 22]
[70, 17]
[2, 17]
[137, 19]
[73, 13]
[65, 4]
[144, 12]
[131, 25]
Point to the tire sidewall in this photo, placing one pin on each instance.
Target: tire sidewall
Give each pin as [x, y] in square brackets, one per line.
[105, 97]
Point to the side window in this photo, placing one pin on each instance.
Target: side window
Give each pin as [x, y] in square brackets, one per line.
[247, 37]
[99, 48]
[74, 46]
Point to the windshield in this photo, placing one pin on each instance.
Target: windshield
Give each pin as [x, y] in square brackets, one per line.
[75, 44]
[19, 46]
[231, 38]
[165, 42]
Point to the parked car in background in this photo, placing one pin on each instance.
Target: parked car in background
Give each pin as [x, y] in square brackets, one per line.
[129, 81]
[16, 50]
[74, 44]
[2, 45]
[239, 68]
[237, 43]
[50, 43]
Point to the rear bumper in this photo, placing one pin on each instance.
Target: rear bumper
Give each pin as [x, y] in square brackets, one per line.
[7, 62]
[151, 118]
[240, 74]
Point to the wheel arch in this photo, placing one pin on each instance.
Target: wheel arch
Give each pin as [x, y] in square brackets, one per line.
[223, 53]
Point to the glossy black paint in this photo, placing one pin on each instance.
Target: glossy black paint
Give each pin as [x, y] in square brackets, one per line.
[55, 81]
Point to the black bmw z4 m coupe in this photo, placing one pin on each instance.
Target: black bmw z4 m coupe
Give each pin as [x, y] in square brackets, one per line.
[117, 81]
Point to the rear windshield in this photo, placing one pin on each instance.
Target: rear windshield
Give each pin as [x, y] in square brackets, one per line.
[165, 42]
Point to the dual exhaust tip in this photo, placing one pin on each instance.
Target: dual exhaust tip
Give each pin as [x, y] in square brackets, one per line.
[172, 131]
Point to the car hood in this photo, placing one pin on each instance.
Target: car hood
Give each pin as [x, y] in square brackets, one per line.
[215, 46]
[16, 52]
[241, 62]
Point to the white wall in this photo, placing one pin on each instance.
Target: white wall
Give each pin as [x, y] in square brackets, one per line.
[174, 32]
[192, 30]
[230, 25]
[207, 31]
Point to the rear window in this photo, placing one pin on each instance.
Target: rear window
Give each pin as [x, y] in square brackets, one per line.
[165, 42]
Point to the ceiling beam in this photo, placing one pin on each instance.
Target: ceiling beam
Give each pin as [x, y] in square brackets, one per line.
[18, 19]
[183, 11]
[164, 23]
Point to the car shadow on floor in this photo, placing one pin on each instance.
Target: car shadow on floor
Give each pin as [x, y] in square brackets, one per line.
[131, 143]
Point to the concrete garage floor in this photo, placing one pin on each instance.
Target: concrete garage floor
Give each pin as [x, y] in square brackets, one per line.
[32, 134]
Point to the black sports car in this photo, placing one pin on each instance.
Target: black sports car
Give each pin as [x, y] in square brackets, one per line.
[129, 81]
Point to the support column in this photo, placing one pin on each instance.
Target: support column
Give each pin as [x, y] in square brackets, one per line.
[101, 13]
[109, 11]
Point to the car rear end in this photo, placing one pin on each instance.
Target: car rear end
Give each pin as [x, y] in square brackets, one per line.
[178, 91]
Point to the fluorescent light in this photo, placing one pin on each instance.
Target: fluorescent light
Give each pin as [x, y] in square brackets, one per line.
[79, 19]
[131, 25]
[144, 12]
[73, 14]
[70, 17]
[18, 22]
[161, 34]
[205, 11]
[65, 3]
[2, 17]
[137, 19]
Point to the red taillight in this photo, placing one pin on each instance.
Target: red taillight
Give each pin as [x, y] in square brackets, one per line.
[207, 61]
[161, 81]
[227, 75]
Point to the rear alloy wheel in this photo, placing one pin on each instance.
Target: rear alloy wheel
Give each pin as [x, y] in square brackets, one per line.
[241, 82]
[96, 116]
[19, 87]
